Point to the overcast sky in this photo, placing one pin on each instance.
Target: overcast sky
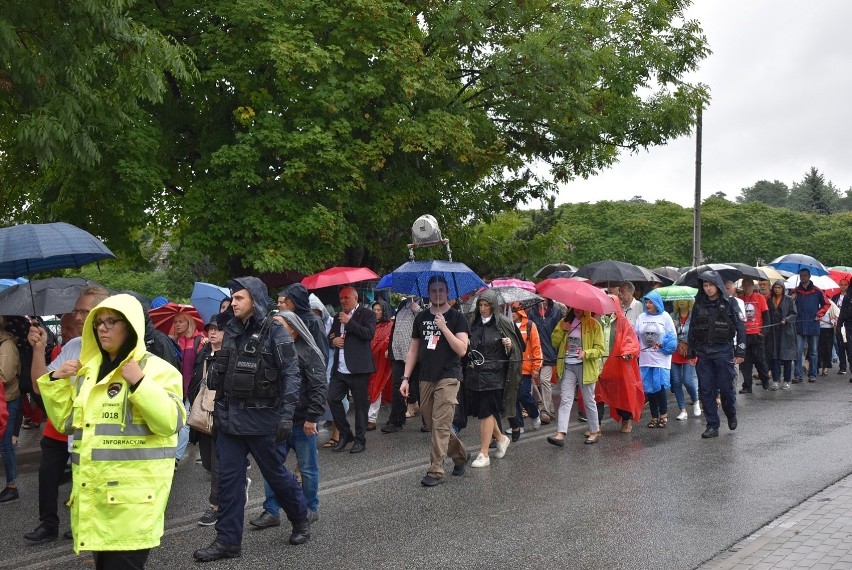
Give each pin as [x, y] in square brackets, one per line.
[781, 102]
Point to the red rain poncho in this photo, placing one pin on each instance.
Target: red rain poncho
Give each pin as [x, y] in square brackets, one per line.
[620, 385]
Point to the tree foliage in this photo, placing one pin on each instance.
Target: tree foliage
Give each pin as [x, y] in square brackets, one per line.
[316, 132]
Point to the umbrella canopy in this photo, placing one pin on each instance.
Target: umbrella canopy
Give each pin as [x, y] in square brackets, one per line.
[53, 296]
[412, 278]
[839, 276]
[690, 278]
[338, 276]
[6, 283]
[386, 282]
[667, 274]
[795, 262]
[527, 285]
[577, 295]
[845, 268]
[677, 292]
[206, 298]
[545, 271]
[771, 273]
[163, 318]
[507, 295]
[609, 270]
[749, 271]
[33, 248]
[826, 284]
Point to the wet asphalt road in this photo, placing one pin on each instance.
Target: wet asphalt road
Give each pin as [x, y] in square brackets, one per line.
[650, 499]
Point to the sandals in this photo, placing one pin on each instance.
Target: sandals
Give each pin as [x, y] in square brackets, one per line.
[654, 423]
[330, 443]
[663, 421]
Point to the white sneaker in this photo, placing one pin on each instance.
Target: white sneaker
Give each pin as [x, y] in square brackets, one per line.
[502, 446]
[481, 461]
[682, 416]
[696, 409]
[508, 431]
[774, 386]
[537, 422]
[785, 386]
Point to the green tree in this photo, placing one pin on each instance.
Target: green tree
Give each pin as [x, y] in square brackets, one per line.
[316, 132]
[813, 194]
[773, 193]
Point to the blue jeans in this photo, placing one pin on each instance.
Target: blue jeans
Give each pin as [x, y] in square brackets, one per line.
[526, 401]
[812, 354]
[10, 458]
[684, 375]
[776, 366]
[183, 434]
[305, 447]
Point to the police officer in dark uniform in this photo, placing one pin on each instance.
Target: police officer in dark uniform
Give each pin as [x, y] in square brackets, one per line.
[717, 338]
[256, 375]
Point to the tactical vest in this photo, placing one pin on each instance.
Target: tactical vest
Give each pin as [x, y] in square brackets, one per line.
[248, 373]
[712, 324]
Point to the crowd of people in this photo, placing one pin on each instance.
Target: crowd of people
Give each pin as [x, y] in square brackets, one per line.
[122, 400]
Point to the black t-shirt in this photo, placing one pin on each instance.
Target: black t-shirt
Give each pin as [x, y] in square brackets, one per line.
[437, 359]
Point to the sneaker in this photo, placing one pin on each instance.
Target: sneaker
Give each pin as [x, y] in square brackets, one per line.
[582, 418]
[841, 372]
[696, 409]
[502, 446]
[682, 416]
[248, 486]
[508, 431]
[481, 461]
[785, 386]
[773, 387]
[313, 516]
[430, 481]
[537, 422]
[209, 517]
[9, 494]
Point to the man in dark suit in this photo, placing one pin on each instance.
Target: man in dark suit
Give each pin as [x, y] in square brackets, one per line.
[351, 334]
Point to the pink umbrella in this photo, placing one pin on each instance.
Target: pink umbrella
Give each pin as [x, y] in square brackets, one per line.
[527, 285]
[338, 276]
[577, 295]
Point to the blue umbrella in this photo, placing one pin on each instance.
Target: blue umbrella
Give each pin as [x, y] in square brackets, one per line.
[26, 249]
[795, 262]
[206, 298]
[412, 278]
[386, 282]
[6, 283]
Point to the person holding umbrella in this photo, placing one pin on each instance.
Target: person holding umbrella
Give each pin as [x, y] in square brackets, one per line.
[781, 335]
[578, 339]
[10, 368]
[811, 305]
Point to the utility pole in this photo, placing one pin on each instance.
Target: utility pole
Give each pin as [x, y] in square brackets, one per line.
[696, 231]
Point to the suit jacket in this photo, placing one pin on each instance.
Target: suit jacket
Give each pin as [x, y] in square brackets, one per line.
[356, 343]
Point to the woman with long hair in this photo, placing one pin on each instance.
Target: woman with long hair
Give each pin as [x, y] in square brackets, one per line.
[683, 369]
[781, 349]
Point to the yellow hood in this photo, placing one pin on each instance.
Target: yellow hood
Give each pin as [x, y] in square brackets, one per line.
[132, 311]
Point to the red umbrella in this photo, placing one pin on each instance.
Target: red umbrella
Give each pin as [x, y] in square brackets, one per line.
[163, 317]
[839, 276]
[577, 295]
[338, 276]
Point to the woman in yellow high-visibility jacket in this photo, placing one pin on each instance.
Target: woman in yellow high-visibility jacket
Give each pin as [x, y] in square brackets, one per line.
[124, 408]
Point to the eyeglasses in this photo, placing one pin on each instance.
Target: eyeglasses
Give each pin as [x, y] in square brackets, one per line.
[108, 324]
[81, 312]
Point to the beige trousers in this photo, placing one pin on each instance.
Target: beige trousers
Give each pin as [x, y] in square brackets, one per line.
[438, 405]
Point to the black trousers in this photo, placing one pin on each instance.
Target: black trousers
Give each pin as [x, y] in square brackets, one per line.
[841, 349]
[398, 407]
[121, 559]
[755, 357]
[51, 469]
[339, 386]
[207, 450]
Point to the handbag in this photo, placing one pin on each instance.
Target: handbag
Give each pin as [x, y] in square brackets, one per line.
[201, 412]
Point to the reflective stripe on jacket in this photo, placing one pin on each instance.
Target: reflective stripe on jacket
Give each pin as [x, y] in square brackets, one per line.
[124, 442]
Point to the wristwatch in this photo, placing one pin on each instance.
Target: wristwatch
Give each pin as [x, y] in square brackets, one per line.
[406, 378]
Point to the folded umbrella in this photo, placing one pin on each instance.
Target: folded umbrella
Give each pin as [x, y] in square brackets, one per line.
[795, 262]
[338, 276]
[206, 298]
[577, 295]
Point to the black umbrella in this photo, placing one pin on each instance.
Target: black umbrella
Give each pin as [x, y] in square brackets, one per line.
[612, 271]
[690, 278]
[53, 296]
[667, 275]
[550, 268]
[26, 249]
[749, 271]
